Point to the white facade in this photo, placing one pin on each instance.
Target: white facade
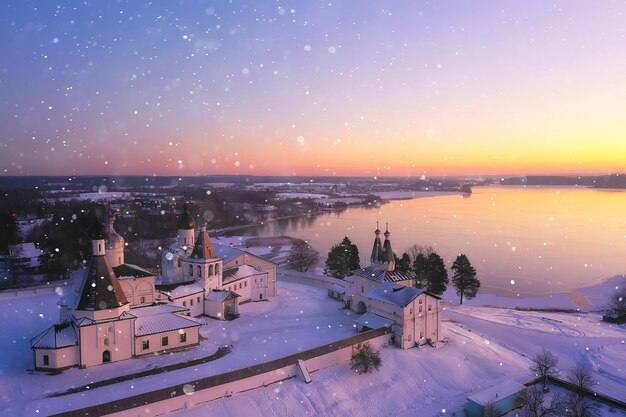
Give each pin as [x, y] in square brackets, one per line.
[107, 319]
[390, 299]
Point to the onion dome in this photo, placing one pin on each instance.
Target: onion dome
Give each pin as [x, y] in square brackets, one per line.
[186, 221]
[98, 230]
[114, 240]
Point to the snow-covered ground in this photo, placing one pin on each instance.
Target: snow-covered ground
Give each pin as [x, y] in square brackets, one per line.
[487, 346]
[301, 317]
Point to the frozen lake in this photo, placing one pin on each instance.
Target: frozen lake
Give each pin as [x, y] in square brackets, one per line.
[521, 240]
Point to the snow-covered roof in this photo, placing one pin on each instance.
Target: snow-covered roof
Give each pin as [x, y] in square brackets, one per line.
[395, 294]
[85, 321]
[374, 321]
[185, 290]
[125, 271]
[239, 272]
[153, 310]
[337, 289]
[349, 279]
[496, 393]
[226, 252]
[163, 323]
[24, 250]
[220, 296]
[68, 299]
[380, 275]
[56, 337]
[100, 289]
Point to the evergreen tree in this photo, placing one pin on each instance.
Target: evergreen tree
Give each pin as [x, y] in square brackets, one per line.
[464, 278]
[430, 272]
[420, 268]
[302, 257]
[343, 258]
[403, 264]
[9, 230]
[437, 279]
[365, 359]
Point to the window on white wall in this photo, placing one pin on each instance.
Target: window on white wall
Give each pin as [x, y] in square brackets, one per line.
[46, 360]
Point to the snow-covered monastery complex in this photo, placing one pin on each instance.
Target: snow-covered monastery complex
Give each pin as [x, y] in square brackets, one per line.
[387, 298]
[121, 310]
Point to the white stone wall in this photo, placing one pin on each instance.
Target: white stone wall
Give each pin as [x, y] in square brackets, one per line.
[173, 341]
[245, 384]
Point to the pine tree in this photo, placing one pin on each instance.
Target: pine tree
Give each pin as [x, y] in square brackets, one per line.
[343, 258]
[437, 275]
[464, 278]
[420, 268]
[403, 264]
[365, 359]
[430, 272]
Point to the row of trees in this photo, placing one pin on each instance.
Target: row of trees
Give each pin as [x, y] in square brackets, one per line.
[427, 267]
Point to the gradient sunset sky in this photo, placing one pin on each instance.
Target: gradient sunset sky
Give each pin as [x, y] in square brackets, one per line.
[312, 87]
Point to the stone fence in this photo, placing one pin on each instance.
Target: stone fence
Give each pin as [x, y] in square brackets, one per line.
[307, 279]
[26, 291]
[203, 390]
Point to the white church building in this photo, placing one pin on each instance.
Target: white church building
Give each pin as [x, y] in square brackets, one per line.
[387, 298]
[192, 257]
[111, 316]
[119, 310]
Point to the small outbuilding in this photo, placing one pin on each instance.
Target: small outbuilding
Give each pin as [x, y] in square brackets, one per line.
[336, 291]
[222, 305]
[502, 398]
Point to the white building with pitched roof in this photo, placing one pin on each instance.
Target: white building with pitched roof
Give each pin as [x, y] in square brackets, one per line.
[388, 298]
[199, 265]
[112, 317]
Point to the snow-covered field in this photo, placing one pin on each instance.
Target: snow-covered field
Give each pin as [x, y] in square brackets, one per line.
[487, 346]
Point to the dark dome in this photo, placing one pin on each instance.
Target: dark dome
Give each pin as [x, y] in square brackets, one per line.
[98, 230]
[186, 222]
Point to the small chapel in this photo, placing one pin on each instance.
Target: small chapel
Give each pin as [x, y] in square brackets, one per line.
[388, 298]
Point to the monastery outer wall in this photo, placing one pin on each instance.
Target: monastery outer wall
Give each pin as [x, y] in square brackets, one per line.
[200, 391]
[308, 279]
[26, 291]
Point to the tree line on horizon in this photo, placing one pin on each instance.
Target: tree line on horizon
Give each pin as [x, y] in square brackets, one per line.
[422, 262]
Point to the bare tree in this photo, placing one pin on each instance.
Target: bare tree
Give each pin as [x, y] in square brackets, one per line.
[302, 257]
[534, 404]
[544, 365]
[582, 376]
[617, 302]
[580, 406]
[414, 250]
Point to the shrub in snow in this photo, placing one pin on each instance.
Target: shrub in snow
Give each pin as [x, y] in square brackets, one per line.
[365, 359]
